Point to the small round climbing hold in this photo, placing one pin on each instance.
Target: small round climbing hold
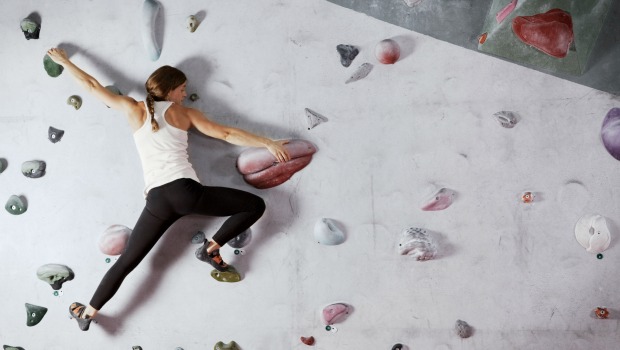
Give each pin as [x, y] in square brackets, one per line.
[193, 97]
[397, 346]
[328, 328]
[599, 256]
[107, 260]
[56, 293]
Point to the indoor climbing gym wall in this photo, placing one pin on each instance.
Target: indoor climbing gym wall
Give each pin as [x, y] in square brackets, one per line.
[441, 194]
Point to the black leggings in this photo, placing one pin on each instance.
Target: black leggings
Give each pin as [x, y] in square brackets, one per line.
[166, 204]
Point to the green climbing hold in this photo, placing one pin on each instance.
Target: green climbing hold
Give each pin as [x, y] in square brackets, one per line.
[16, 205]
[230, 346]
[230, 275]
[52, 68]
[328, 328]
[8, 347]
[75, 101]
[599, 256]
[35, 314]
[30, 28]
[107, 260]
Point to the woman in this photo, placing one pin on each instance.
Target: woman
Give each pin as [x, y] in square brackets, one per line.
[172, 188]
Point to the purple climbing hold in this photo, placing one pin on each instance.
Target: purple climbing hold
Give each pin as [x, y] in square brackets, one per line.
[610, 132]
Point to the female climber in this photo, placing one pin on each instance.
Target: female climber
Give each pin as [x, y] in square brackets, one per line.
[172, 188]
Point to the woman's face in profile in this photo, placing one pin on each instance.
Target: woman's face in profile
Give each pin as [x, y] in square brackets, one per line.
[178, 94]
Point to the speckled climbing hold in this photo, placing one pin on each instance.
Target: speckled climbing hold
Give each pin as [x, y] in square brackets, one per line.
[397, 346]
[242, 239]
[54, 135]
[75, 101]
[440, 200]
[9, 347]
[387, 51]
[601, 312]
[150, 9]
[52, 68]
[417, 243]
[327, 232]
[462, 329]
[55, 274]
[16, 205]
[347, 54]
[194, 97]
[334, 313]
[33, 168]
[191, 23]
[314, 118]
[360, 73]
[592, 232]
[506, 119]
[35, 314]
[230, 346]
[308, 340]
[198, 238]
[30, 28]
[230, 275]
[114, 239]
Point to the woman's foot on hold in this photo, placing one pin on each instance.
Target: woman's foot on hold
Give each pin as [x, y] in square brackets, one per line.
[76, 310]
[214, 258]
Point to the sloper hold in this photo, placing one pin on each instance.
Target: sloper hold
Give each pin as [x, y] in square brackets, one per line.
[55, 274]
[347, 54]
[416, 242]
[550, 32]
[30, 28]
[610, 132]
[592, 233]
[16, 205]
[114, 239]
[9, 347]
[242, 239]
[35, 314]
[54, 135]
[52, 68]
[2, 165]
[387, 51]
[198, 238]
[440, 200]
[327, 232]
[33, 168]
[360, 73]
[230, 275]
[230, 346]
[150, 9]
[314, 118]
[334, 313]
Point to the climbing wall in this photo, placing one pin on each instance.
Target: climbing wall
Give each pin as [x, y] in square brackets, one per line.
[447, 199]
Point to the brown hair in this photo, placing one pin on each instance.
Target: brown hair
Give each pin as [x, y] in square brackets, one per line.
[158, 85]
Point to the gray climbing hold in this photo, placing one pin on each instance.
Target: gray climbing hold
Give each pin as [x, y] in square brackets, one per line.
[75, 101]
[347, 54]
[2, 165]
[230, 346]
[30, 28]
[462, 329]
[35, 314]
[33, 168]
[360, 73]
[55, 274]
[397, 346]
[52, 68]
[136, 347]
[9, 347]
[506, 119]
[16, 205]
[327, 232]
[194, 97]
[241, 240]
[198, 237]
[314, 118]
[54, 135]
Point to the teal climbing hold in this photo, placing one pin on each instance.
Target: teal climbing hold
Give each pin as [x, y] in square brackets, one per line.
[35, 314]
[52, 68]
[16, 205]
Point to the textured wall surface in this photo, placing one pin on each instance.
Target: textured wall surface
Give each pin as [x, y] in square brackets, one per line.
[513, 271]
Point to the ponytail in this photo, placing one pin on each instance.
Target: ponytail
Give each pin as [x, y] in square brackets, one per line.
[150, 104]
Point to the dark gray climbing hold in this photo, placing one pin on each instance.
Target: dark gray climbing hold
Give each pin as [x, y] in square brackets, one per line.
[35, 314]
[397, 346]
[55, 274]
[54, 135]
[8, 347]
[136, 347]
[30, 28]
[194, 97]
[16, 205]
[462, 329]
[347, 54]
[241, 240]
[52, 68]
[3, 164]
[33, 168]
[198, 237]
[75, 101]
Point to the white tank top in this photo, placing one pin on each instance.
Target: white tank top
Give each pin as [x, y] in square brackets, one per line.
[163, 153]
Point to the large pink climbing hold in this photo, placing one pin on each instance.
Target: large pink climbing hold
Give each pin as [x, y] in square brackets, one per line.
[114, 240]
[334, 313]
[550, 32]
[261, 170]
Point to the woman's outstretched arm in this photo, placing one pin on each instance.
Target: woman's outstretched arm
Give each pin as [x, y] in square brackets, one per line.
[91, 85]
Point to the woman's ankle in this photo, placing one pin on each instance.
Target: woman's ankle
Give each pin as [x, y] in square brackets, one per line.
[212, 246]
